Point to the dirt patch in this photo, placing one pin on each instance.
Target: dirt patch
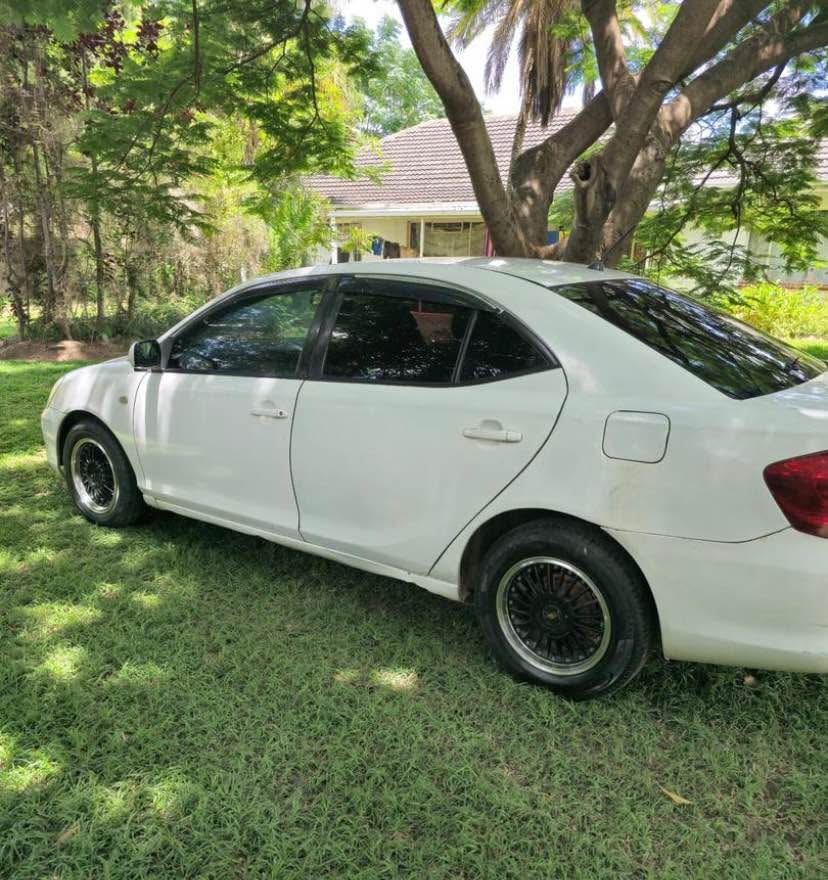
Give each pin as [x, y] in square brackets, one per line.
[68, 350]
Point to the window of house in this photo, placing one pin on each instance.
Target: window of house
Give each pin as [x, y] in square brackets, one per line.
[454, 239]
[497, 351]
[261, 336]
[410, 338]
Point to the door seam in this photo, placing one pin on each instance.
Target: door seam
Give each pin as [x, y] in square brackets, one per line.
[290, 460]
[518, 474]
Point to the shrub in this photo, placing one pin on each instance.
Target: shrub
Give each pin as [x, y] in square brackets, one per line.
[782, 311]
[150, 319]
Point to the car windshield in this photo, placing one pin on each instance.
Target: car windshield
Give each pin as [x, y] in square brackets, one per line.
[734, 358]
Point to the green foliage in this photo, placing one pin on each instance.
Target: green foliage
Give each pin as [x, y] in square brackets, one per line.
[782, 312]
[398, 94]
[151, 318]
[169, 136]
[297, 224]
[733, 177]
[357, 241]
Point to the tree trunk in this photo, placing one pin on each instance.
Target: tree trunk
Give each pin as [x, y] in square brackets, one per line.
[50, 302]
[100, 313]
[701, 53]
[133, 289]
[95, 218]
[18, 280]
[634, 200]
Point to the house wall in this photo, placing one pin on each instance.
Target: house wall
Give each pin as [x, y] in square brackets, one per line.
[768, 252]
[391, 228]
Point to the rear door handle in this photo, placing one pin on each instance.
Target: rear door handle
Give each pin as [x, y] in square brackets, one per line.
[270, 413]
[495, 436]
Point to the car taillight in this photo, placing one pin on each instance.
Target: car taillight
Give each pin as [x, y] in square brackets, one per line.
[800, 488]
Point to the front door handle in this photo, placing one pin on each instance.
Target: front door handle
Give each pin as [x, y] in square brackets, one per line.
[270, 413]
[492, 434]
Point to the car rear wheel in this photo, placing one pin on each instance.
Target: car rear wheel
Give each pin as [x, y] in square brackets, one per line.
[562, 606]
[100, 477]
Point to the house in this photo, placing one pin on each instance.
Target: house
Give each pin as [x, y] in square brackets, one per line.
[416, 199]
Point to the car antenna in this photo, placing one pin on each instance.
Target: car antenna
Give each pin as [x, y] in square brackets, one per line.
[597, 265]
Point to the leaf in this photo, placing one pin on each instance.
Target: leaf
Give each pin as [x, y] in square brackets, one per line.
[675, 798]
[67, 834]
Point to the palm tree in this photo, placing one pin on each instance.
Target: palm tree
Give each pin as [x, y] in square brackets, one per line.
[554, 51]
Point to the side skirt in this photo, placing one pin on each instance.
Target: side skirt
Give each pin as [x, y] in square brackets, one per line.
[433, 585]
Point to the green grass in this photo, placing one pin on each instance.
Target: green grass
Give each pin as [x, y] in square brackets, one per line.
[816, 347]
[180, 701]
[8, 326]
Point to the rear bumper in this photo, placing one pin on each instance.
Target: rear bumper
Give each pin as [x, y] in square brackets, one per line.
[50, 420]
[761, 603]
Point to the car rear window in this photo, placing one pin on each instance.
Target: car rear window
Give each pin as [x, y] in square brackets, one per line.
[734, 358]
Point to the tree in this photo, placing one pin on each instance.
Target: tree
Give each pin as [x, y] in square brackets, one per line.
[109, 110]
[712, 56]
[399, 95]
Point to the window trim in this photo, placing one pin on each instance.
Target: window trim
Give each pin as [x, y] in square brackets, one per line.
[262, 290]
[454, 295]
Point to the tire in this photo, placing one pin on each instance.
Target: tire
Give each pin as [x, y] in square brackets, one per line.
[562, 606]
[100, 477]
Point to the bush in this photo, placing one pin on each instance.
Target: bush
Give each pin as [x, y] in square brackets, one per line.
[781, 311]
[150, 319]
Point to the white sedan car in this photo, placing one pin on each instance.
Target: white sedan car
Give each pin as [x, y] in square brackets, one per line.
[598, 464]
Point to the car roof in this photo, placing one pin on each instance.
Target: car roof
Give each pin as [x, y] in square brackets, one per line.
[549, 273]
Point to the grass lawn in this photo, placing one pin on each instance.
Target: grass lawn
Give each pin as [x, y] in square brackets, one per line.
[816, 347]
[180, 701]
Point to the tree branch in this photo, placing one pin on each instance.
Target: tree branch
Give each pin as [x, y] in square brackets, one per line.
[466, 119]
[660, 75]
[774, 44]
[729, 19]
[599, 179]
[608, 41]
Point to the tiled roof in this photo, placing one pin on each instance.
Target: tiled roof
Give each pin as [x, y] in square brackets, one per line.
[423, 164]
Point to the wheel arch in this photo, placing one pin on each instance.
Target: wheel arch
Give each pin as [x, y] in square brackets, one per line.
[73, 418]
[494, 528]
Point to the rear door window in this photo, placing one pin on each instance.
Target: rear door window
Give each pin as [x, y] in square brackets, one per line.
[496, 351]
[386, 331]
[734, 358]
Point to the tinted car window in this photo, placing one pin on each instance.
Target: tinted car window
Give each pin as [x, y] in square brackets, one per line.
[379, 338]
[258, 337]
[496, 351]
[727, 354]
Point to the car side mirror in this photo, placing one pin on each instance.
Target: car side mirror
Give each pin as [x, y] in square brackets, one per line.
[145, 355]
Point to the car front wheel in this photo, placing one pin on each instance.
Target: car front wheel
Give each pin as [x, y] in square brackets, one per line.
[100, 476]
[562, 606]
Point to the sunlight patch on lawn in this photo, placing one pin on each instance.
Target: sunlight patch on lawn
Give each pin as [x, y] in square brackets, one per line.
[392, 679]
[20, 461]
[139, 673]
[147, 600]
[105, 538]
[19, 774]
[63, 663]
[174, 797]
[111, 802]
[48, 618]
[395, 679]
